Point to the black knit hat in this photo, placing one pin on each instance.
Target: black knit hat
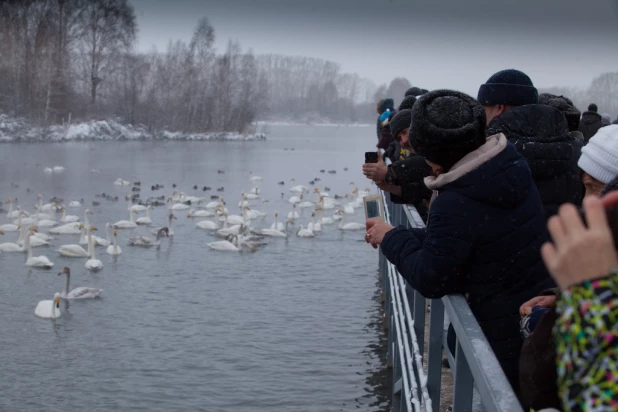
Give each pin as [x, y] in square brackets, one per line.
[414, 91]
[407, 102]
[566, 107]
[446, 126]
[400, 122]
[510, 87]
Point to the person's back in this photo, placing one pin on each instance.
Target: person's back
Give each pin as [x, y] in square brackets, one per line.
[590, 122]
[485, 227]
[539, 132]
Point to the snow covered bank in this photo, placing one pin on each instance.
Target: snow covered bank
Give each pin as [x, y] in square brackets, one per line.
[320, 124]
[18, 130]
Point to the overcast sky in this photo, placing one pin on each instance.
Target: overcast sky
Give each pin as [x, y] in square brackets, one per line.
[434, 43]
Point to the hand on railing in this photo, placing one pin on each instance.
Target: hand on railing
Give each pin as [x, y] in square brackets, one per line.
[376, 229]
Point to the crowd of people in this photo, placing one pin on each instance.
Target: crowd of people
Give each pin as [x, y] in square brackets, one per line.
[519, 194]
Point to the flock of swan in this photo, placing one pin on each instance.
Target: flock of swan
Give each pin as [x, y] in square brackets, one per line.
[50, 223]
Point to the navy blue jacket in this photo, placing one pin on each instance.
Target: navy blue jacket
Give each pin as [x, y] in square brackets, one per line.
[483, 239]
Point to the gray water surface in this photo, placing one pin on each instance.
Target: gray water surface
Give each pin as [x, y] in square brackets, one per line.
[292, 327]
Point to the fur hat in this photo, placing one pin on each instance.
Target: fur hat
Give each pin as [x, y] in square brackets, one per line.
[566, 107]
[400, 122]
[446, 125]
[407, 102]
[415, 91]
[510, 87]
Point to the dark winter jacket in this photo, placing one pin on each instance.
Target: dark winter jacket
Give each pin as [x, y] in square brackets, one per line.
[387, 104]
[590, 123]
[541, 134]
[483, 238]
[394, 152]
[386, 138]
[411, 173]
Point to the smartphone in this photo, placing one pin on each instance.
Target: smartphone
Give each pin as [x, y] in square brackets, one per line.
[371, 157]
[612, 220]
[374, 207]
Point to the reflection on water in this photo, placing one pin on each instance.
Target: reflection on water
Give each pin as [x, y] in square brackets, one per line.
[293, 327]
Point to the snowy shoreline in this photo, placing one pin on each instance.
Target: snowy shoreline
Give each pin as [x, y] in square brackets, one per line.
[263, 123]
[19, 131]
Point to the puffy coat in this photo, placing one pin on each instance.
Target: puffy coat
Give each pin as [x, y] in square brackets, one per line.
[483, 239]
[541, 134]
[589, 124]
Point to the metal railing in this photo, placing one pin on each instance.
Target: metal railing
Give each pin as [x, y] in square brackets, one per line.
[474, 367]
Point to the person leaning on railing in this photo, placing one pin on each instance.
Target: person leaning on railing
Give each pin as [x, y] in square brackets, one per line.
[486, 224]
[404, 179]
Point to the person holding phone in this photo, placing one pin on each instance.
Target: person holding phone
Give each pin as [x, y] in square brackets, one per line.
[486, 224]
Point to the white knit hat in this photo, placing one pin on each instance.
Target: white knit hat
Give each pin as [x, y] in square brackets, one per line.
[600, 156]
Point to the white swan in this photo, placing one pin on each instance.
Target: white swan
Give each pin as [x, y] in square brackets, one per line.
[58, 169]
[144, 241]
[121, 182]
[48, 171]
[314, 226]
[49, 309]
[348, 208]
[277, 225]
[177, 206]
[12, 247]
[99, 241]
[44, 220]
[114, 249]
[293, 214]
[93, 263]
[207, 224]
[302, 232]
[145, 220]
[13, 214]
[254, 178]
[77, 293]
[236, 219]
[351, 225]
[67, 218]
[298, 188]
[224, 245]
[75, 203]
[170, 230]
[276, 233]
[214, 205]
[303, 204]
[255, 191]
[200, 213]
[126, 224]
[36, 261]
[294, 199]
[73, 228]
[12, 227]
[73, 250]
[325, 220]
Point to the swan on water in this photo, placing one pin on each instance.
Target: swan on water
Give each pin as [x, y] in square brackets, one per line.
[36, 261]
[294, 199]
[126, 224]
[73, 228]
[348, 208]
[293, 214]
[170, 230]
[99, 241]
[207, 224]
[177, 206]
[58, 169]
[121, 182]
[302, 232]
[48, 171]
[351, 225]
[93, 263]
[255, 191]
[47, 207]
[75, 203]
[12, 227]
[200, 213]
[303, 204]
[314, 226]
[13, 214]
[254, 178]
[77, 293]
[67, 218]
[49, 309]
[13, 247]
[43, 220]
[214, 205]
[144, 241]
[236, 219]
[276, 233]
[325, 220]
[145, 220]
[114, 249]
[277, 225]
[298, 188]
[224, 245]
[73, 250]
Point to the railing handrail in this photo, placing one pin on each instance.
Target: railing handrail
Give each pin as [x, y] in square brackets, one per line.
[474, 357]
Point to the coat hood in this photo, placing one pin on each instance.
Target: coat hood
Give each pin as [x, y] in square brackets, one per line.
[591, 118]
[494, 174]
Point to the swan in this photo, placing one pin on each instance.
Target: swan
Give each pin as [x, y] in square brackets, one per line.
[35, 240]
[58, 169]
[73, 250]
[293, 214]
[214, 205]
[144, 241]
[224, 245]
[48, 171]
[251, 196]
[121, 182]
[126, 224]
[75, 203]
[348, 209]
[256, 214]
[99, 241]
[67, 218]
[254, 178]
[170, 230]
[255, 191]
[93, 263]
[200, 213]
[236, 219]
[325, 220]
[77, 293]
[351, 225]
[314, 226]
[243, 200]
[43, 220]
[13, 247]
[36, 261]
[13, 214]
[114, 249]
[298, 188]
[303, 204]
[177, 206]
[12, 227]
[277, 225]
[294, 199]
[47, 207]
[73, 228]
[302, 232]
[207, 224]
[276, 233]
[49, 309]
[145, 220]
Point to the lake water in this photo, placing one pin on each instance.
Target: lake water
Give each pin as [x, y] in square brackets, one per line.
[292, 327]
